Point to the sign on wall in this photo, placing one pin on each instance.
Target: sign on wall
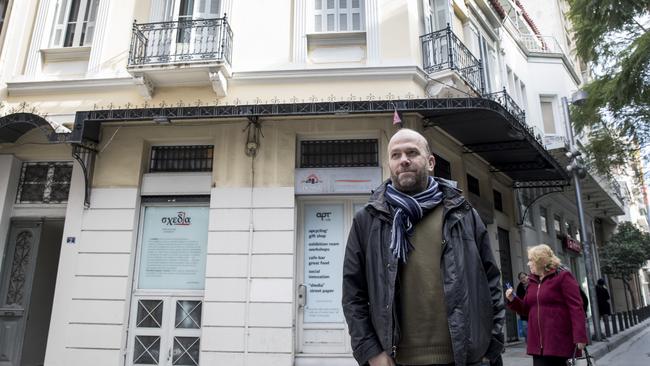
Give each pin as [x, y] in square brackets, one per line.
[337, 180]
[324, 247]
[174, 246]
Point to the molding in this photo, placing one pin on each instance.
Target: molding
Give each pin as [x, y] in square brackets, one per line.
[331, 39]
[341, 72]
[145, 86]
[60, 54]
[219, 83]
[372, 9]
[299, 32]
[18, 88]
[34, 57]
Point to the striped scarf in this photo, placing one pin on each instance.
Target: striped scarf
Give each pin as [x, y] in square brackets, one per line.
[407, 211]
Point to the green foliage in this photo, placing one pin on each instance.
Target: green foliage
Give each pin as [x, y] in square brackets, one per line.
[626, 251]
[614, 37]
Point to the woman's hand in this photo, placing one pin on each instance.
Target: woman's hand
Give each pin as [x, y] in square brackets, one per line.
[581, 346]
[509, 294]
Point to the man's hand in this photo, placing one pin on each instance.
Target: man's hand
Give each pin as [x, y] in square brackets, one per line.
[382, 359]
[509, 294]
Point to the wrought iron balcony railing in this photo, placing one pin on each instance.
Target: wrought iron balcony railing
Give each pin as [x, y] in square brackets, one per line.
[503, 98]
[443, 50]
[180, 42]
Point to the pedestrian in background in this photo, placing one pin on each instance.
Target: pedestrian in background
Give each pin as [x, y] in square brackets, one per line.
[602, 298]
[521, 293]
[556, 320]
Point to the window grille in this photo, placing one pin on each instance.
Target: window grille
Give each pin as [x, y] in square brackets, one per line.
[339, 153]
[498, 200]
[442, 169]
[191, 158]
[46, 182]
[473, 185]
[339, 16]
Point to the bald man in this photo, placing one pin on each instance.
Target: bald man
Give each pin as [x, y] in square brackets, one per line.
[420, 283]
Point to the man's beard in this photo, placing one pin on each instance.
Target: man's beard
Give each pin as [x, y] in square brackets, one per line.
[412, 183]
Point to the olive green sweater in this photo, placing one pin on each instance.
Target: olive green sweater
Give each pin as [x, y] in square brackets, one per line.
[424, 332]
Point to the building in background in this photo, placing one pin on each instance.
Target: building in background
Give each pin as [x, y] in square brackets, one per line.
[196, 211]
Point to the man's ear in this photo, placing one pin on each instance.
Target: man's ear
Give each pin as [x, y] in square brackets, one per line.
[432, 162]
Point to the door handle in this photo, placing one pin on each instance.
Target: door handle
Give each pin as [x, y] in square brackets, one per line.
[302, 295]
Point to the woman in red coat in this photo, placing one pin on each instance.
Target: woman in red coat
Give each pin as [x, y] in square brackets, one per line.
[556, 320]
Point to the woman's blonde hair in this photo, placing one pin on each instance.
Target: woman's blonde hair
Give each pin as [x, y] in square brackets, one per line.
[543, 258]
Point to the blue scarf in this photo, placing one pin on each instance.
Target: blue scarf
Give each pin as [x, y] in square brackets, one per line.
[407, 211]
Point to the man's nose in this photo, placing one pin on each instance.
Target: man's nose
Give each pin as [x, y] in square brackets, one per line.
[404, 160]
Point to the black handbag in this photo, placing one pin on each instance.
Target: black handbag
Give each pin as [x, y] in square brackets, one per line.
[585, 360]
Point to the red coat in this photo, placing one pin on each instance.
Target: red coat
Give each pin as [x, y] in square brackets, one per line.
[556, 320]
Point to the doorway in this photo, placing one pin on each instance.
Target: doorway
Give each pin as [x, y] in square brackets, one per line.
[27, 285]
[506, 276]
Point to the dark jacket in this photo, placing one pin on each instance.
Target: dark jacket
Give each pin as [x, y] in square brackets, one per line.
[475, 309]
[556, 321]
[521, 293]
[602, 295]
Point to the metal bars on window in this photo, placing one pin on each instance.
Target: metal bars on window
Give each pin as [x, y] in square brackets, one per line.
[44, 182]
[191, 158]
[339, 153]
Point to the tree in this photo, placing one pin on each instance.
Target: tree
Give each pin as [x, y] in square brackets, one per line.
[625, 253]
[613, 36]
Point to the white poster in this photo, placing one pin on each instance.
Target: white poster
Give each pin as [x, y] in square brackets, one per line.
[174, 245]
[324, 249]
[337, 180]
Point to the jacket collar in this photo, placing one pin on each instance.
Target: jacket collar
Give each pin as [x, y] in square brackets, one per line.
[452, 197]
[550, 274]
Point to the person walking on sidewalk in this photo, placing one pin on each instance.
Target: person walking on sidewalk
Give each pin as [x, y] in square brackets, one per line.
[556, 320]
[602, 298]
[521, 293]
[420, 283]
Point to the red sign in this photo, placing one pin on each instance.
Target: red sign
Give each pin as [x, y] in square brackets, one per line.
[572, 244]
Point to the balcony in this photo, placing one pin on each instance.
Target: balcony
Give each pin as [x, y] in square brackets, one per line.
[443, 50]
[181, 53]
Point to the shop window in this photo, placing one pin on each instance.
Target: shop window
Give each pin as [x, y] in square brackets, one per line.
[442, 168]
[339, 153]
[339, 16]
[74, 23]
[44, 182]
[191, 158]
[473, 185]
[498, 200]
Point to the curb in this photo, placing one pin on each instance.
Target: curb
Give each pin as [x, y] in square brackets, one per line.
[607, 346]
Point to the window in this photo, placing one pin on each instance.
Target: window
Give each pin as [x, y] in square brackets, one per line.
[339, 153]
[339, 16]
[543, 222]
[3, 10]
[557, 224]
[498, 200]
[436, 15]
[192, 158]
[44, 182]
[74, 23]
[442, 168]
[547, 116]
[473, 185]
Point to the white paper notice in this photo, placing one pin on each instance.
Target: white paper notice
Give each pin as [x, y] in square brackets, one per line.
[324, 246]
[174, 242]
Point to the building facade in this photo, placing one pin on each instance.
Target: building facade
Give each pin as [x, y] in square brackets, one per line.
[195, 210]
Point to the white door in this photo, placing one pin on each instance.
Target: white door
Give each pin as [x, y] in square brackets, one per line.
[324, 224]
[436, 17]
[15, 288]
[165, 322]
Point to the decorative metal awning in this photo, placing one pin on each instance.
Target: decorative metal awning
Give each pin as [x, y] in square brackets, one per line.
[484, 125]
[15, 125]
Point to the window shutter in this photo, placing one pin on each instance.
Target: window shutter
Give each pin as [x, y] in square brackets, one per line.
[90, 20]
[207, 9]
[441, 14]
[60, 22]
[161, 11]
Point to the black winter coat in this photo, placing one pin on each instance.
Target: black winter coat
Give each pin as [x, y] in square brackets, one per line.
[471, 282]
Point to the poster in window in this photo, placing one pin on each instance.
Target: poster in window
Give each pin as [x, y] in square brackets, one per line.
[174, 244]
[324, 247]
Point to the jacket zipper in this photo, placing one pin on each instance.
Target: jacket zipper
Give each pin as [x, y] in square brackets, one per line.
[539, 324]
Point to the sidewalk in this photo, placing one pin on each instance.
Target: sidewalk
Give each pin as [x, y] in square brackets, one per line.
[515, 354]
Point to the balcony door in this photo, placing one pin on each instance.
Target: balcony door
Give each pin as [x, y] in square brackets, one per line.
[189, 31]
[436, 17]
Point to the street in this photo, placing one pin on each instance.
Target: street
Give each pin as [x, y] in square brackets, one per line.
[634, 352]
